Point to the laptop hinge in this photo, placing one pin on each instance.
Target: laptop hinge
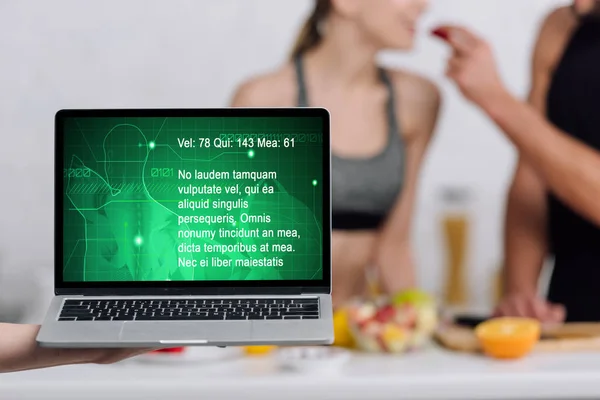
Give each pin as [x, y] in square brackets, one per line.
[192, 292]
[314, 290]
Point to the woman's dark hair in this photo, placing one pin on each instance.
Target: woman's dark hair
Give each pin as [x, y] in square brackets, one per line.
[309, 35]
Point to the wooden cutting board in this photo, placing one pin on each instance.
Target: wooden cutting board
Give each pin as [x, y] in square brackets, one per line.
[564, 338]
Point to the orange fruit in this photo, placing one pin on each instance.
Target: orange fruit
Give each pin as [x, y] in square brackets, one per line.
[507, 337]
[258, 350]
[394, 338]
[392, 333]
[341, 329]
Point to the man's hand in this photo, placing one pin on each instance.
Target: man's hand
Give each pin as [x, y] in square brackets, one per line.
[472, 65]
[531, 306]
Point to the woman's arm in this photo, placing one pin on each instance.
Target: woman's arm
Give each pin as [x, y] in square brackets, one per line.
[419, 104]
[19, 351]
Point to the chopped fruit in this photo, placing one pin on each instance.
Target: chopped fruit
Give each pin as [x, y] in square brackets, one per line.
[341, 329]
[365, 312]
[371, 344]
[382, 345]
[371, 328]
[407, 316]
[386, 314]
[392, 332]
[362, 324]
[394, 338]
[427, 319]
[413, 296]
[508, 337]
[405, 323]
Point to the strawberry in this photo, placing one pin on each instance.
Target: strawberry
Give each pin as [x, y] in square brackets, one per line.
[441, 33]
[386, 314]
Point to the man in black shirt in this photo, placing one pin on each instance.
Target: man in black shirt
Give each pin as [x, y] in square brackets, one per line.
[554, 201]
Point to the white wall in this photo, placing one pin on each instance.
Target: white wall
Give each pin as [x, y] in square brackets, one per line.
[192, 53]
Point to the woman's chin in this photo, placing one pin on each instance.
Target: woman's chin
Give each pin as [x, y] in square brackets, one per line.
[404, 46]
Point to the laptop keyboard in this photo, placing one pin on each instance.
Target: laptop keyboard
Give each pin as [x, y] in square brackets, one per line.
[189, 310]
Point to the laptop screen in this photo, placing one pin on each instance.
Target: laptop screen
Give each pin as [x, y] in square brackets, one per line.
[186, 197]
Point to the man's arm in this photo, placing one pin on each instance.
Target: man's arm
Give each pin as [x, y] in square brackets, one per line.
[19, 351]
[472, 67]
[525, 231]
[540, 145]
[570, 168]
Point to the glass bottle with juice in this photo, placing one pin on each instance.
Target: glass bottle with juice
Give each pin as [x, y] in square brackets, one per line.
[455, 229]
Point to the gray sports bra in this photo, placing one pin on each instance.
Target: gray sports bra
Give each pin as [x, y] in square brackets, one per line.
[364, 189]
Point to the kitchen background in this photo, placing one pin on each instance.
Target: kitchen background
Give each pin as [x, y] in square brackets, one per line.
[148, 53]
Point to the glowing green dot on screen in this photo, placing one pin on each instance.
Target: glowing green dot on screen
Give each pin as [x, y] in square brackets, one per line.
[138, 240]
[152, 145]
[125, 224]
[251, 154]
[314, 182]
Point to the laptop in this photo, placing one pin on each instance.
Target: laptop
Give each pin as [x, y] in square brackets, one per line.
[191, 227]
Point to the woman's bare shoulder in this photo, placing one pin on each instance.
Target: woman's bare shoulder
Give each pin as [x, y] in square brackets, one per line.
[415, 86]
[273, 89]
[418, 102]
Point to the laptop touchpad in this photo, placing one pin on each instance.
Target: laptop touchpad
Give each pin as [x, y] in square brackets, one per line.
[211, 332]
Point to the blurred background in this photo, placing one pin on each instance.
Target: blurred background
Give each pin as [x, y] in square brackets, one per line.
[148, 53]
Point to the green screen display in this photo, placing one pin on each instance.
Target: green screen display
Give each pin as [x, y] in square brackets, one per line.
[192, 198]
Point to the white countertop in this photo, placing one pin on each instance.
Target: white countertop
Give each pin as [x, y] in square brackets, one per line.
[223, 374]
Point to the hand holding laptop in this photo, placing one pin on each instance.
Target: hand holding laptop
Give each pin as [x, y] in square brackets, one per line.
[19, 351]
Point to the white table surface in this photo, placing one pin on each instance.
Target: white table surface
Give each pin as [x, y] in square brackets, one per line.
[208, 374]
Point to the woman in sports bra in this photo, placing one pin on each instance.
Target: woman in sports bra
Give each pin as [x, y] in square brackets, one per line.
[382, 122]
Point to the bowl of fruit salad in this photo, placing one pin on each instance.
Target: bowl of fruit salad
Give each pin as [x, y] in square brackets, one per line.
[397, 324]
